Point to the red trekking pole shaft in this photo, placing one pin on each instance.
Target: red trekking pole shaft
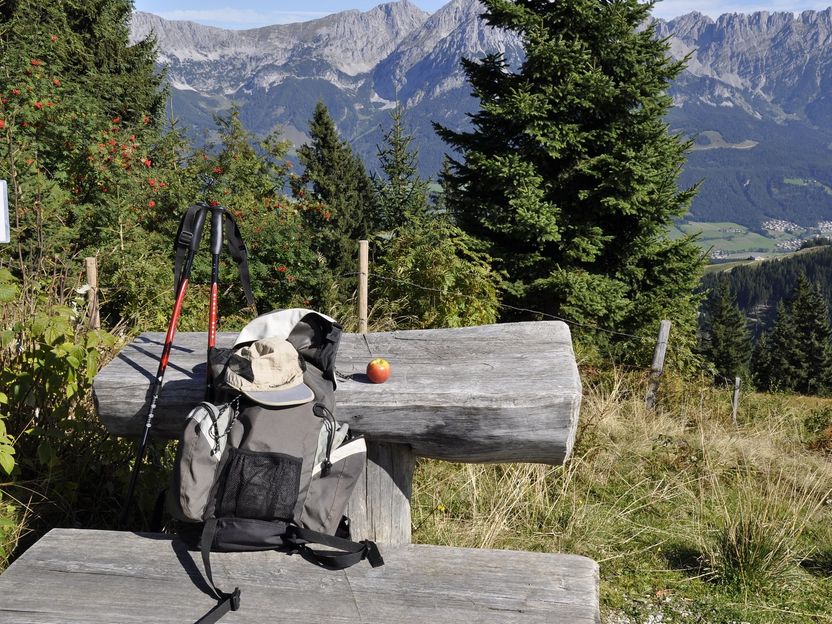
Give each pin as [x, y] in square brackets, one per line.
[181, 289]
[217, 215]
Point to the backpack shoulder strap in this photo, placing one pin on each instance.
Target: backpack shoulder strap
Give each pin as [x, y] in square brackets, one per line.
[225, 601]
[348, 553]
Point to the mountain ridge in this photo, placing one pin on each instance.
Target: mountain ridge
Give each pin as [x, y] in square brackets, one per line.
[756, 95]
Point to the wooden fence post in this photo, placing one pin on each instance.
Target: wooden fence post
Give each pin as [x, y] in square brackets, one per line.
[363, 270]
[92, 280]
[735, 401]
[657, 366]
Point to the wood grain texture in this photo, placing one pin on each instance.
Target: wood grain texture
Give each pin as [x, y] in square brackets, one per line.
[77, 576]
[493, 393]
[379, 508]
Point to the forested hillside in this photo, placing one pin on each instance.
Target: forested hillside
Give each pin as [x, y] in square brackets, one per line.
[759, 287]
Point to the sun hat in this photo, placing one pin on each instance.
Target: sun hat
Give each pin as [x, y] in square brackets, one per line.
[269, 372]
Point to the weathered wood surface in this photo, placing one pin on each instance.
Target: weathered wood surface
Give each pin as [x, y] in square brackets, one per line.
[379, 508]
[76, 576]
[508, 392]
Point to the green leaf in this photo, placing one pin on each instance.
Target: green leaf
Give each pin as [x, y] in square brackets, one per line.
[8, 292]
[92, 365]
[6, 461]
[6, 338]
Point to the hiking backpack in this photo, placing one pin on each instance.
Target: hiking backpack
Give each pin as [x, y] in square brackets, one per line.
[269, 466]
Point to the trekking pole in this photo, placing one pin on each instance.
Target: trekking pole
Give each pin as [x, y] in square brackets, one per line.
[217, 218]
[194, 234]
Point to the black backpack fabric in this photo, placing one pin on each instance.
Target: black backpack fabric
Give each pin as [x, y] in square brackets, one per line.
[251, 477]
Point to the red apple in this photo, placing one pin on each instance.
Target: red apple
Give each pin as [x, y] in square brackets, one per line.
[378, 370]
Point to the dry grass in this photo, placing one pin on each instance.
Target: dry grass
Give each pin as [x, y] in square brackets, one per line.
[674, 501]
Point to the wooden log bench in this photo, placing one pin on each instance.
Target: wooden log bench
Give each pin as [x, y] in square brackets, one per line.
[496, 393]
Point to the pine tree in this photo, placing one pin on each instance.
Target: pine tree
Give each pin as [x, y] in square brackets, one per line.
[401, 193]
[339, 179]
[569, 172]
[796, 354]
[726, 339]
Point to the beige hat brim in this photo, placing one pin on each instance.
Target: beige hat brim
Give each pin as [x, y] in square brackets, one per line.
[296, 395]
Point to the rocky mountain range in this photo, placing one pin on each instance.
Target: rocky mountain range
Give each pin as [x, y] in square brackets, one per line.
[756, 96]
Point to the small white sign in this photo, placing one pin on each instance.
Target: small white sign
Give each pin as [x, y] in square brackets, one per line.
[4, 213]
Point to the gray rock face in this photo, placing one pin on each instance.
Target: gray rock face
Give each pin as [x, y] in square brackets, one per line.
[211, 59]
[772, 65]
[756, 93]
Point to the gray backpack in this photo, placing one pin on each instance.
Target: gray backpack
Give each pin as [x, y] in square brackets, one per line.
[270, 467]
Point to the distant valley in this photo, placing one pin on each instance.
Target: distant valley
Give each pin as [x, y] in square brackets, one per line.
[756, 97]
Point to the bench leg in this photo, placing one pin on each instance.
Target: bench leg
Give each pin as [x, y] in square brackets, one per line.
[379, 508]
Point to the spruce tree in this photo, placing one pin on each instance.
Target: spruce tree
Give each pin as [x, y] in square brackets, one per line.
[726, 339]
[569, 172]
[796, 354]
[338, 178]
[401, 193]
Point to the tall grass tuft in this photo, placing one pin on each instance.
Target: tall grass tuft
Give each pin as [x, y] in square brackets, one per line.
[751, 527]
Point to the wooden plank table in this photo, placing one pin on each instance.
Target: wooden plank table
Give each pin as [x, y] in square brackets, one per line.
[106, 577]
[508, 392]
[495, 393]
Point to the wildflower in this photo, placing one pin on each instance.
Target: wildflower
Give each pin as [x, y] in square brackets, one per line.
[53, 38]
[151, 203]
[146, 162]
[36, 62]
[2, 123]
[213, 203]
[56, 82]
[116, 120]
[327, 215]
[38, 105]
[15, 91]
[217, 169]
[281, 268]
[151, 181]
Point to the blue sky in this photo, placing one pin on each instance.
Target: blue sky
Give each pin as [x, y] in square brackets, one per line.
[251, 14]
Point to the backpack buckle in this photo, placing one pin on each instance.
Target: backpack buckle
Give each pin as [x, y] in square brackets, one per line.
[185, 237]
[372, 554]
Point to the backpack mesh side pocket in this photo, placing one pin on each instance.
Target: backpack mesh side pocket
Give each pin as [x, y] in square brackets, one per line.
[262, 486]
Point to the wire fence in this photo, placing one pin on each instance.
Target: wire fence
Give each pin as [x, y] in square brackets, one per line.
[457, 293]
